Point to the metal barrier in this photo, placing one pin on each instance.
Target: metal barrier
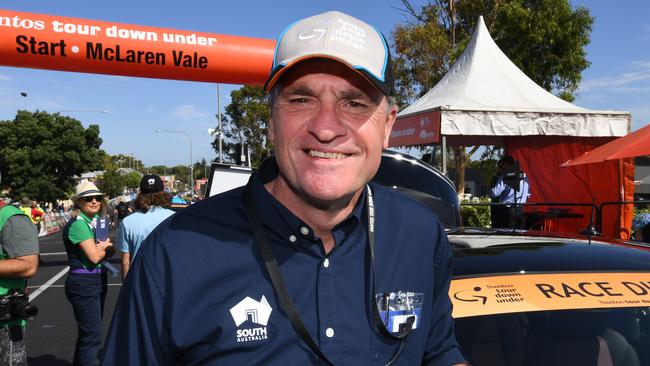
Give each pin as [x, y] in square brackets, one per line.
[612, 203]
[593, 219]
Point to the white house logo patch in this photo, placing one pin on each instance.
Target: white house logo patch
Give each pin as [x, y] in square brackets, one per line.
[251, 312]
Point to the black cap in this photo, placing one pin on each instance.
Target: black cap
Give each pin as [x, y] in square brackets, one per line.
[151, 184]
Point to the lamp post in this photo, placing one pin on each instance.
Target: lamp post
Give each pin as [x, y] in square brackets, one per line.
[191, 164]
[219, 129]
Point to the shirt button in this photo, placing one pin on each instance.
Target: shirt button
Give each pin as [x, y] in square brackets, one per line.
[304, 230]
[329, 332]
[292, 238]
[326, 263]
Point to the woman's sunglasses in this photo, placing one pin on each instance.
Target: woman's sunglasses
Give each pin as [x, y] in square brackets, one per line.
[91, 198]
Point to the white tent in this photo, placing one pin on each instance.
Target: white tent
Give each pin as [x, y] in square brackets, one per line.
[484, 99]
[484, 94]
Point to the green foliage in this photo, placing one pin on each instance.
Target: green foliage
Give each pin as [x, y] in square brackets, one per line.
[41, 152]
[247, 122]
[111, 182]
[201, 168]
[422, 57]
[132, 180]
[475, 216]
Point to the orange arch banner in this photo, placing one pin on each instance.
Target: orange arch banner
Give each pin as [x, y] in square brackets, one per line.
[81, 45]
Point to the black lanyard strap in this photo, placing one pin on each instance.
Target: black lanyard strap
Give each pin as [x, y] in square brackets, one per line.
[280, 287]
[276, 277]
[379, 323]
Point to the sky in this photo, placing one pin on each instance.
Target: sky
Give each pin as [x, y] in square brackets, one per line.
[617, 79]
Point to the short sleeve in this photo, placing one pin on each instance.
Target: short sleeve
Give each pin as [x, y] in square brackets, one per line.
[79, 231]
[19, 237]
[122, 243]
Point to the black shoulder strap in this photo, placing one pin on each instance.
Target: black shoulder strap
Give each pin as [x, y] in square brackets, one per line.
[276, 277]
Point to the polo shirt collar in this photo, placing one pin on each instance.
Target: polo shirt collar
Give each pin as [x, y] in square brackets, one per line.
[283, 223]
[85, 217]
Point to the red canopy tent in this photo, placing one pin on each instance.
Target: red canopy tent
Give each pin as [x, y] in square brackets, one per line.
[631, 145]
[485, 99]
[616, 154]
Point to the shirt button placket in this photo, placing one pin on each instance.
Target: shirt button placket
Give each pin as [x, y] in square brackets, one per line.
[327, 305]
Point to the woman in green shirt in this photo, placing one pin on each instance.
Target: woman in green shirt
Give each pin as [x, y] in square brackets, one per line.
[85, 286]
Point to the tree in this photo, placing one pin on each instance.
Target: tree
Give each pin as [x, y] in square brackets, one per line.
[544, 38]
[132, 180]
[200, 168]
[40, 154]
[247, 122]
[111, 182]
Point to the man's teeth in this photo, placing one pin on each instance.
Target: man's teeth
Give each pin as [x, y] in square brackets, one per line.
[326, 155]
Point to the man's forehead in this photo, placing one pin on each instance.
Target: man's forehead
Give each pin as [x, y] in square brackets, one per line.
[311, 75]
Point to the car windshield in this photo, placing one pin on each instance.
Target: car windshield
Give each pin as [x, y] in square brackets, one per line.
[572, 318]
[603, 336]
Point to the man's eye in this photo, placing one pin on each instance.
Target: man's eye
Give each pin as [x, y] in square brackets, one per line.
[298, 100]
[356, 104]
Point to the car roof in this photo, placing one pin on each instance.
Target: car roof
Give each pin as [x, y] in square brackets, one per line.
[490, 254]
[421, 182]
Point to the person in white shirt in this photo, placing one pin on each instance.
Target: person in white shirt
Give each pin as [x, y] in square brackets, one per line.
[502, 192]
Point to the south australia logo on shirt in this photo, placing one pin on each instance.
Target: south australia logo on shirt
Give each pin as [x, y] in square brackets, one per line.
[251, 317]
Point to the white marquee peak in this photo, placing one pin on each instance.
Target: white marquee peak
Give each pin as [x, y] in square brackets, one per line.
[484, 78]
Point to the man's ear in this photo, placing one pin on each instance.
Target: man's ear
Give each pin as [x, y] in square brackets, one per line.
[390, 121]
[271, 129]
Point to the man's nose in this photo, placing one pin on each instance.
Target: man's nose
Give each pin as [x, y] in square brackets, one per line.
[326, 124]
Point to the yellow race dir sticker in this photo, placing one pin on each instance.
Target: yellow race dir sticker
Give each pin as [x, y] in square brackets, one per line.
[559, 291]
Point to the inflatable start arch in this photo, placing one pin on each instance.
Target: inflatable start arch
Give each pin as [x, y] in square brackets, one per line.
[71, 44]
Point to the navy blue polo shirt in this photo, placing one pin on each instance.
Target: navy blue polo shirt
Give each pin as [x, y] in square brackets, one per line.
[198, 292]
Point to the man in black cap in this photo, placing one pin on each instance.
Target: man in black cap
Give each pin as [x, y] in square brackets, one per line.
[152, 205]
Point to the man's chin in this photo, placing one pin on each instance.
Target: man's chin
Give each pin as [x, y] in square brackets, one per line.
[330, 193]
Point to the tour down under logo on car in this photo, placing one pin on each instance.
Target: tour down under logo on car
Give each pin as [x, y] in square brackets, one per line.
[253, 314]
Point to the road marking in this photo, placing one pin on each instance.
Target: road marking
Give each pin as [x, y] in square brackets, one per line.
[49, 283]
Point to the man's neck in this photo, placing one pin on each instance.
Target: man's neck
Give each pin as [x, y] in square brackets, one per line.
[321, 218]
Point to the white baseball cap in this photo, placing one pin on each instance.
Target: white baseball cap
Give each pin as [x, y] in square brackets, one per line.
[336, 36]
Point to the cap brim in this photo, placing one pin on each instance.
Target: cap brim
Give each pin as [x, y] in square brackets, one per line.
[279, 71]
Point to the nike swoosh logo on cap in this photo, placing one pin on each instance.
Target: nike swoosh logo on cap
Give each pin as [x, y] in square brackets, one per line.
[314, 33]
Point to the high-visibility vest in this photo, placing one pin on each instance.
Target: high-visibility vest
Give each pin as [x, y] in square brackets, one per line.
[8, 283]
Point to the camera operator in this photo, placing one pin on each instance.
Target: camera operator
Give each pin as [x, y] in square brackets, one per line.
[18, 261]
[503, 192]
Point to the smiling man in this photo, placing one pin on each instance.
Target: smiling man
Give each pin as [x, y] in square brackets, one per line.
[309, 263]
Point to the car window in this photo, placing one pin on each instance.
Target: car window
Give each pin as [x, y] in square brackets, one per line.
[403, 173]
[420, 182]
[606, 336]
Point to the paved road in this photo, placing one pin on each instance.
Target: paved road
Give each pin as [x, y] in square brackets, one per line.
[52, 334]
